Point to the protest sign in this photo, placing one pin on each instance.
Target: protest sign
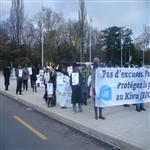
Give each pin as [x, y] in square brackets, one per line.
[75, 78]
[30, 70]
[41, 72]
[20, 73]
[59, 79]
[63, 92]
[40, 78]
[118, 86]
[49, 88]
[70, 70]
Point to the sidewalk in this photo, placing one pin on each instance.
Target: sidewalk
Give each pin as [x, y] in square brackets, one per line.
[123, 126]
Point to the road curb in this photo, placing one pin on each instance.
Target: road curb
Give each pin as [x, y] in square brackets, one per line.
[98, 135]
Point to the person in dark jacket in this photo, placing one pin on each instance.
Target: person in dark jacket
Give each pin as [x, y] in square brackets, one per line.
[6, 73]
[85, 73]
[50, 81]
[33, 79]
[19, 75]
[76, 97]
[53, 81]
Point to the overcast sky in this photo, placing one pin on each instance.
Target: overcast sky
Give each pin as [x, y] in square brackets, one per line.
[133, 14]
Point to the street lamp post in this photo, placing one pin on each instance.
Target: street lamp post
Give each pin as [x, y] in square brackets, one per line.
[144, 55]
[121, 44]
[80, 49]
[130, 57]
[42, 40]
[90, 41]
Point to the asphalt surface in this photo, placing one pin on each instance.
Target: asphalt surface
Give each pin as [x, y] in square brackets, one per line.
[14, 135]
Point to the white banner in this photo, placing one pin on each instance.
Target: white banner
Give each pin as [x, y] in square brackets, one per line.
[118, 86]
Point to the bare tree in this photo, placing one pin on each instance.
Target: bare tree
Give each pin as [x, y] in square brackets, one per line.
[82, 28]
[146, 36]
[143, 41]
[29, 33]
[51, 23]
[16, 20]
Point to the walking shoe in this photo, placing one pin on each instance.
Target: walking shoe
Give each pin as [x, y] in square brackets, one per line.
[101, 117]
[96, 117]
[138, 110]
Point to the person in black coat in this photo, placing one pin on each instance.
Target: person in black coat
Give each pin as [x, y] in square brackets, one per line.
[53, 81]
[6, 73]
[76, 97]
[19, 74]
[33, 78]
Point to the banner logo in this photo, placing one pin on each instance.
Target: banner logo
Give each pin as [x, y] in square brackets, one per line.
[105, 93]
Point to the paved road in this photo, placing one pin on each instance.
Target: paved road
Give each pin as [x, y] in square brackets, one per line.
[22, 128]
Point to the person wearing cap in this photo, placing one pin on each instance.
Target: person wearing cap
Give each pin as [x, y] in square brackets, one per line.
[96, 64]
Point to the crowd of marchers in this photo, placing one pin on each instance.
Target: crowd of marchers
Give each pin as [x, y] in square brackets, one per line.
[67, 84]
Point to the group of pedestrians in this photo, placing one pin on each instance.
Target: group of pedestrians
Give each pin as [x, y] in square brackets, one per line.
[22, 74]
[79, 83]
[79, 86]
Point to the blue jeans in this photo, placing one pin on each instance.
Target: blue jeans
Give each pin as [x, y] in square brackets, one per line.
[139, 106]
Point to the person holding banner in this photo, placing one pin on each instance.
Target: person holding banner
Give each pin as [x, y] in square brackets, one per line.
[19, 75]
[95, 66]
[76, 81]
[140, 106]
